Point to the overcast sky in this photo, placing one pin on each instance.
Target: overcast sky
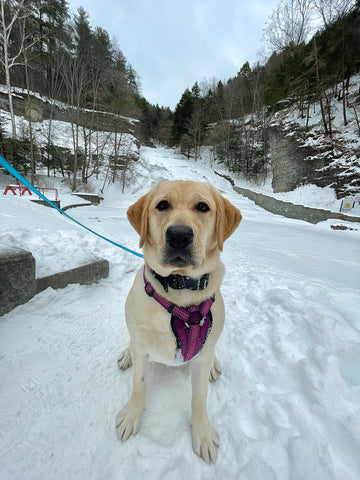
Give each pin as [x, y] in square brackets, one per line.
[174, 43]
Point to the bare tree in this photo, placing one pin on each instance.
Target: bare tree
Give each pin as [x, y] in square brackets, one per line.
[55, 87]
[121, 160]
[76, 81]
[13, 13]
[289, 24]
[330, 10]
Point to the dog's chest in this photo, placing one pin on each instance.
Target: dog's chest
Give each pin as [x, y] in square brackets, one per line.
[149, 325]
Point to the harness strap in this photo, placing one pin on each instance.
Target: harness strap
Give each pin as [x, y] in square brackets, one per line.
[190, 325]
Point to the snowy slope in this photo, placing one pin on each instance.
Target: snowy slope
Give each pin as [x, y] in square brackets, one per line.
[100, 143]
[288, 402]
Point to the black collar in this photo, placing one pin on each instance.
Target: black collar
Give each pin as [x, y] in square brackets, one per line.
[178, 282]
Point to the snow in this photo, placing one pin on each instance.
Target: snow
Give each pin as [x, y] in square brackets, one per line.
[287, 406]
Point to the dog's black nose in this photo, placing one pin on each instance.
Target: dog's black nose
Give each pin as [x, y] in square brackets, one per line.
[179, 237]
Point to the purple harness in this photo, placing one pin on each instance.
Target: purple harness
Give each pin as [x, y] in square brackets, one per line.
[191, 326]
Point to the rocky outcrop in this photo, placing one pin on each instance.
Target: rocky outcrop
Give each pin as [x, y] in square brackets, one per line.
[287, 162]
[294, 164]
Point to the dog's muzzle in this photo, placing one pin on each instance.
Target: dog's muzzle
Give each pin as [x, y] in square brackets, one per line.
[179, 241]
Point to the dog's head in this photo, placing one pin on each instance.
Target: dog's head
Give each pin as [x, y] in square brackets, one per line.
[182, 224]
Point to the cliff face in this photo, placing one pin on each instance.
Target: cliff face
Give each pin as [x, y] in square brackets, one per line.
[301, 153]
[294, 164]
[287, 161]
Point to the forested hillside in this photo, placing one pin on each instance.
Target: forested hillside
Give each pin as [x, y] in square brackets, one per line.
[71, 66]
[65, 58]
[313, 52]
[235, 117]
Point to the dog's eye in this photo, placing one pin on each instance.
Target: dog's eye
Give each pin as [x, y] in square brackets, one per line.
[202, 207]
[163, 205]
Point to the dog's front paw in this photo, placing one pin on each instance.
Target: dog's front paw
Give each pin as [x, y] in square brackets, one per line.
[125, 360]
[205, 441]
[215, 370]
[128, 422]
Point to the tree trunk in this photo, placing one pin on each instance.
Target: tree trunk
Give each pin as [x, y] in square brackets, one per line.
[32, 159]
[344, 101]
[323, 117]
[8, 88]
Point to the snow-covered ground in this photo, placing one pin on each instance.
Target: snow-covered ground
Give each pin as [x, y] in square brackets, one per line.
[287, 406]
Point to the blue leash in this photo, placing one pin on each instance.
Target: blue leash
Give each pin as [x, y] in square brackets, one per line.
[23, 180]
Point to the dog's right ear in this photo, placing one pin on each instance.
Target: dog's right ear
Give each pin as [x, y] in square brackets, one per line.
[228, 218]
[138, 217]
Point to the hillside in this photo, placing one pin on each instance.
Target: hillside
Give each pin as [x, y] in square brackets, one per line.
[55, 137]
[306, 154]
[36, 107]
[311, 83]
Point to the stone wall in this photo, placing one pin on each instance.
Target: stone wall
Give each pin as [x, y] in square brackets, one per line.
[288, 209]
[91, 197]
[84, 275]
[17, 278]
[291, 210]
[18, 283]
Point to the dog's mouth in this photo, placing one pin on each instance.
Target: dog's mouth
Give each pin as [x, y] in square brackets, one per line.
[178, 259]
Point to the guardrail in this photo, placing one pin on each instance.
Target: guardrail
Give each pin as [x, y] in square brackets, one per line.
[24, 189]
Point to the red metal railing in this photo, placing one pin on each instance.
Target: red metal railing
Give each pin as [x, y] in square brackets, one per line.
[24, 189]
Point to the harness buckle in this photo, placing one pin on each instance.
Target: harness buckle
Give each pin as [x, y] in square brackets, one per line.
[171, 307]
[152, 290]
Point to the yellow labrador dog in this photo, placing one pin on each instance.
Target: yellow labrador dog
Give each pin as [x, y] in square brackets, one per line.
[174, 311]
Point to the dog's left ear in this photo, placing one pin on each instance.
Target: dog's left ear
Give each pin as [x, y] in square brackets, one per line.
[228, 218]
[138, 217]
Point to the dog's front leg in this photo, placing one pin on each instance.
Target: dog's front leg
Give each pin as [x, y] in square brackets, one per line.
[128, 420]
[205, 439]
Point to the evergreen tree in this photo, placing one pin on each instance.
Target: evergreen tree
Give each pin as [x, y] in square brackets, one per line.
[245, 70]
[83, 34]
[52, 18]
[182, 115]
